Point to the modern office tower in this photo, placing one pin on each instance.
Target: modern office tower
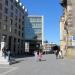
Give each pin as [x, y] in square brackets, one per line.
[34, 32]
[69, 25]
[12, 14]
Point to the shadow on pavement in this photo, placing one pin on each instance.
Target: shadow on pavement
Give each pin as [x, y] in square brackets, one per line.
[21, 56]
[43, 60]
[15, 62]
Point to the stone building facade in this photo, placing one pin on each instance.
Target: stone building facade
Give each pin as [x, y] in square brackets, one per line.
[12, 17]
[68, 25]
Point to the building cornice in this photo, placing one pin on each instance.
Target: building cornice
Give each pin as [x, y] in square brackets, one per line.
[63, 3]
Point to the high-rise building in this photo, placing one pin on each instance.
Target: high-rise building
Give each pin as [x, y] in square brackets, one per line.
[12, 17]
[34, 31]
[69, 26]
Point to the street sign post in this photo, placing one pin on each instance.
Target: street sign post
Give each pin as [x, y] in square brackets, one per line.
[73, 40]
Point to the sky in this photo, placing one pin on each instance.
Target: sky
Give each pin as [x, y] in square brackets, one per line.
[51, 10]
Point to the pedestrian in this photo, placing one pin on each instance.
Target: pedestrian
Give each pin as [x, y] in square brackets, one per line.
[60, 54]
[40, 55]
[36, 55]
[57, 53]
[4, 52]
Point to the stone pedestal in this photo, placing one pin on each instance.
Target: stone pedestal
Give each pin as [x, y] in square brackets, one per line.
[3, 60]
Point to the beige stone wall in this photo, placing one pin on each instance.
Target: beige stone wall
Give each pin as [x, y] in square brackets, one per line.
[69, 14]
[62, 35]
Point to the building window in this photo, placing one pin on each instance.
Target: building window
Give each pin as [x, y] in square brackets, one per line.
[6, 10]
[15, 31]
[0, 6]
[6, 2]
[21, 43]
[22, 22]
[20, 14]
[15, 24]
[11, 7]
[18, 43]
[10, 29]
[6, 18]
[37, 30]
[11, 21]
[22, 34]
[19, 27]
[16, 4]
[11, 14]
[14, 45]
[0, 15]
[0, 25]
[18, 40]
[19, 33]
[16, 11]
[22, 17]
[22, 28]
[16, 18]
[11, 0]
[19, 20]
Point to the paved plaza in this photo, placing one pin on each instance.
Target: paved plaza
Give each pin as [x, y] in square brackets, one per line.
[48, 66]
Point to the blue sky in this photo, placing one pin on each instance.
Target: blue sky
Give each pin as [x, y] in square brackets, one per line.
[51, 10]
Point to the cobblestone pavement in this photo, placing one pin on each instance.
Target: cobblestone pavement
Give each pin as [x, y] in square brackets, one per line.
[48, 66]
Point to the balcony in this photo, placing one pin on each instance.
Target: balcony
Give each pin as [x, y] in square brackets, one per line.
[63, 3]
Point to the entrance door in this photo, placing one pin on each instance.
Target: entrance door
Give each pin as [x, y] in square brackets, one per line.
[10, 40]
[14, 45]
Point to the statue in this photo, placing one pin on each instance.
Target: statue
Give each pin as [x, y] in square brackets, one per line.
[2, 45]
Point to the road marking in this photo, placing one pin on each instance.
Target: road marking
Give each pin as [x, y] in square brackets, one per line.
[10, 70]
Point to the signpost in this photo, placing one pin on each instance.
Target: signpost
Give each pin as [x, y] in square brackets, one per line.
[73, 40]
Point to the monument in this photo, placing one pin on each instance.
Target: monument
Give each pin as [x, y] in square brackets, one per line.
[3, 60]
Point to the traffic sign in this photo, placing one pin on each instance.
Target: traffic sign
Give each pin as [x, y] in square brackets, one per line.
[73, 37]
[73, 40]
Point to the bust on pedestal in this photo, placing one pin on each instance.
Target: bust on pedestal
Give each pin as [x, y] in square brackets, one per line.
[2, 47]
[3, 59]
[2, 44]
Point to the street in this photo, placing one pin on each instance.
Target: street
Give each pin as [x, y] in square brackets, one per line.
[48, 66]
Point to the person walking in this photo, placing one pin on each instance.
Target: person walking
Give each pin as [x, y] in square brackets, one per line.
[36, 55]
[57, 53]
[40, 55]
[61, 54]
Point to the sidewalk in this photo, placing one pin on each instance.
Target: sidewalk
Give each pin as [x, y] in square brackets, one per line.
[52, 66]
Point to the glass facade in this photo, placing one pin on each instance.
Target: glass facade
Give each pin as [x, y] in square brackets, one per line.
[33, 27]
